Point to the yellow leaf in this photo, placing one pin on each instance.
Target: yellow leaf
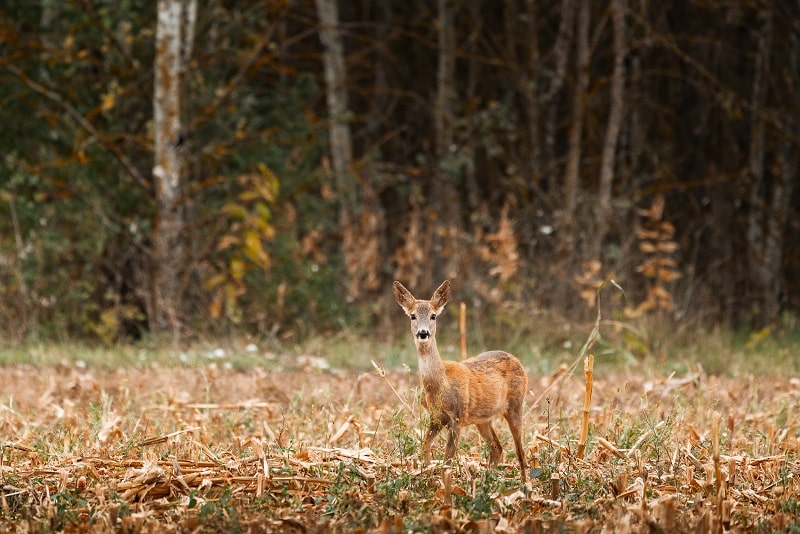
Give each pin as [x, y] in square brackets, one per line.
[215, 308]
[268, 188]
[668, 275]
[237, 269]
[234, 210]
[668, 228]
[647, 247]
[262, 210]
[254, 249]
[227, 241]
[641, 233]
[214, 281]
[667, 246]
[108, 101]
[667, 263]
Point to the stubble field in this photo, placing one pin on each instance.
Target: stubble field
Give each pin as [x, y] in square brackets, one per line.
[299, 447]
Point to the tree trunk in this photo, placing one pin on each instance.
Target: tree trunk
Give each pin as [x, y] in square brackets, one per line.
[445, 205]
[567, 231]
[379, 102]
[445, 82]
[472, 197]
[169, 169]
[758, 209]
[778, 219]
[560, 49]
[341, 144]
[360, 217]
[603, 215]
[530, 95]
[779, 211]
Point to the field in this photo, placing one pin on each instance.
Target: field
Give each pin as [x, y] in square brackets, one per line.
[290, 443]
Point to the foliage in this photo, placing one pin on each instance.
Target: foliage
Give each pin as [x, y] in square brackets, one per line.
[656, 242]
[249, 225]
[268, 249]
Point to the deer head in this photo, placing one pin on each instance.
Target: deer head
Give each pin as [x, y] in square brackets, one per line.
[422, 313]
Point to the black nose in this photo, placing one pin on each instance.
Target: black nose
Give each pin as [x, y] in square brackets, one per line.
[423, 334]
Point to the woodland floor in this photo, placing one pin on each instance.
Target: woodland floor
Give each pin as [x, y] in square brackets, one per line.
[305, 449]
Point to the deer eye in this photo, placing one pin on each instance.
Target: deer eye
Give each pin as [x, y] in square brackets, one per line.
[413, 316]
[433, 317]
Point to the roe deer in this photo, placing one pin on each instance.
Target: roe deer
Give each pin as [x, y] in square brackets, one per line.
[472, 392]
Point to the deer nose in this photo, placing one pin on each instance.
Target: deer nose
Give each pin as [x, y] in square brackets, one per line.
[423, 334]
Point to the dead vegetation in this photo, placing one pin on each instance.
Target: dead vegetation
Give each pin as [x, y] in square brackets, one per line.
[133, 449]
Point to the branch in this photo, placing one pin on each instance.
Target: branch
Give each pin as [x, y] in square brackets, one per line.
[85, 124]
[222, 95]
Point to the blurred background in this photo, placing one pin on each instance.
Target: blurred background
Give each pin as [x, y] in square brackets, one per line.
[201, 168]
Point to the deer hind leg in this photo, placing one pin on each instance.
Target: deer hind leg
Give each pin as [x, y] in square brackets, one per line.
[489, 435]
[514, 418]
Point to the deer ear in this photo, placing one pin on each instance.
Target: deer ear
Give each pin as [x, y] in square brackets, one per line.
[403, 296]
[441, 295]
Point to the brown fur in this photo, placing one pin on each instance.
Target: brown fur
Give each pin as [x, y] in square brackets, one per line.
[472, 392]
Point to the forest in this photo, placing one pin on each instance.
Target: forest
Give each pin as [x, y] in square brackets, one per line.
[195, 168]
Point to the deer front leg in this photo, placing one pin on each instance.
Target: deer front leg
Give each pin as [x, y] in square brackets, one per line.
[454, 431]
[433, 430]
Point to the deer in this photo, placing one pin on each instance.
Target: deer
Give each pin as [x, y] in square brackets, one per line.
[458, 394]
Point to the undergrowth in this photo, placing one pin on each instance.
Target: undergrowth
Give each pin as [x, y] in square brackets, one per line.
[632, 344]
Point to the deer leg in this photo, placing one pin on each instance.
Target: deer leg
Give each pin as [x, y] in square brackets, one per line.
[489, 435]
[514, 418]
[432, 432]
[452, 439]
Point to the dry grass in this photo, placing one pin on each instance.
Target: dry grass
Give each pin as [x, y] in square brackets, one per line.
[132, 449]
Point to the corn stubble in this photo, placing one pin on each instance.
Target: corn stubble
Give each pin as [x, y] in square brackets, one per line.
[141, 449]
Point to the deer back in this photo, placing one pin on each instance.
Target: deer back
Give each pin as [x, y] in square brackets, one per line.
[484, 386]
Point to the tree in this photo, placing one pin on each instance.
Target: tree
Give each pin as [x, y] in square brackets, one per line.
[556, 121]
[603, 216]
[445, 201]
[174, 35]
[360, 220]
[572, 186]
[769, 199]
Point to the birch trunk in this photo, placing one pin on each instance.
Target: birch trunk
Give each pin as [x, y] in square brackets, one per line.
[341, 144]
[168, 172]
[615, 114]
